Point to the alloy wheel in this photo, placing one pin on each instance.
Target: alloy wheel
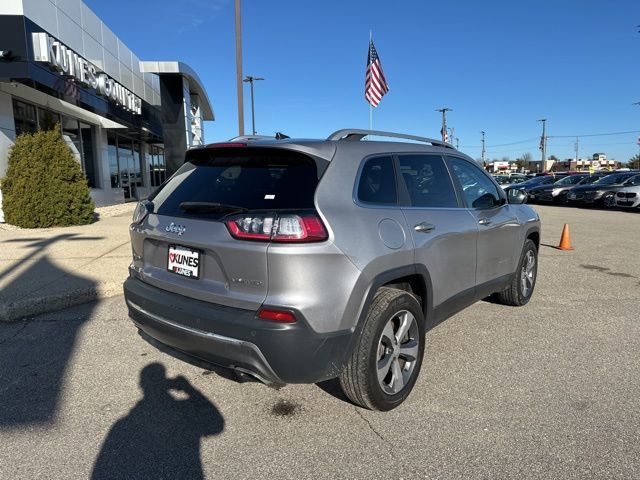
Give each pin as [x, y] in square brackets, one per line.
[528, 273]
[398, 349]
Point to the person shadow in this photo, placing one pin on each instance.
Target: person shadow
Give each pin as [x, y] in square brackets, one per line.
[160, 436]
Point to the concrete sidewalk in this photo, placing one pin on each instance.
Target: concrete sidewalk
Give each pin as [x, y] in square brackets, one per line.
[54, 268]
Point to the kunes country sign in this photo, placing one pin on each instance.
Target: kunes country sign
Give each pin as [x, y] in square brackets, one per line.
[62, 59]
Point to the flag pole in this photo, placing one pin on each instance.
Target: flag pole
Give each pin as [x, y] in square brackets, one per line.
[370, 106]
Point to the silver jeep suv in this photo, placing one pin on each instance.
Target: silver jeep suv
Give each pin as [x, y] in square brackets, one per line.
[298, 261]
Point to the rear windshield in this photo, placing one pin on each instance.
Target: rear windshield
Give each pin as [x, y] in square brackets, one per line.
[251, 178]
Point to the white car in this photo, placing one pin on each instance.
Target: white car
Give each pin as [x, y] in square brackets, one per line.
[629, 197]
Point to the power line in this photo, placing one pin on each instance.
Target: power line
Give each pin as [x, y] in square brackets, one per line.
[528, 140]
[594, 134]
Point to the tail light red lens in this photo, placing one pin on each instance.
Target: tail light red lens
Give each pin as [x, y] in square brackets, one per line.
[284, 228]
[276, 315]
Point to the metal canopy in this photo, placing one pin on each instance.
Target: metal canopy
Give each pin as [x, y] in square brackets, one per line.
[195, 84]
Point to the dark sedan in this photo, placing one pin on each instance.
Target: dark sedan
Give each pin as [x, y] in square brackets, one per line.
[536, 182]
[601, 192]
[557, 192]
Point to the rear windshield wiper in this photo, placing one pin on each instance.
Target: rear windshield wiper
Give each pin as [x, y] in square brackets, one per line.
[211, 207]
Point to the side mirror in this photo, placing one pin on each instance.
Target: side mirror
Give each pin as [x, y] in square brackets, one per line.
[516, 197]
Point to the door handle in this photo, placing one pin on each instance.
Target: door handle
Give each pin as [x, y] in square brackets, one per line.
[484, 221]
[424, 227]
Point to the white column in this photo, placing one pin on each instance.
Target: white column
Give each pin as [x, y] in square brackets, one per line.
[7, 137]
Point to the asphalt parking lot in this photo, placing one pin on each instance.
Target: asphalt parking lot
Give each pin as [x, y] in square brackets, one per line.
[550, 390]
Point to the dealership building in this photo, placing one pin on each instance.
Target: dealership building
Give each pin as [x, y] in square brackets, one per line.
[127, 121]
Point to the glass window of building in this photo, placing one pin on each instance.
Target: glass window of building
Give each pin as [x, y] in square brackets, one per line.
[155, 164]
[71, 135]
[112, 149]
[137, 169]
[148, 161]
[88, 153]
[162, 167]
[24, 115]
[47, 119]
[125, 162]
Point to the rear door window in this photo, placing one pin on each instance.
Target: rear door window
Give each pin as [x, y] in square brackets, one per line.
[248, 178]
[427, 181]
[378, 182]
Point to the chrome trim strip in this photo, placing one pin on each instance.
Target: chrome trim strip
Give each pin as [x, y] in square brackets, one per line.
[195, 331]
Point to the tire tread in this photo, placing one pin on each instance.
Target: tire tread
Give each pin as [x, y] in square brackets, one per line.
[354, 378]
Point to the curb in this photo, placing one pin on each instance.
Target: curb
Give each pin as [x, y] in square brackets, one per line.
[30, 306]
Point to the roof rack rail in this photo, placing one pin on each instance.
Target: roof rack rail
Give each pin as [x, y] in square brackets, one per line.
[355, 134]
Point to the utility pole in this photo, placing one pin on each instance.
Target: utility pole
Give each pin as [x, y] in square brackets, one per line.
[250, 79]
[443, 131]
[483, 152]
[452, 135]
[577, 150]
[239, 69]
[543, 140]
[638, 104]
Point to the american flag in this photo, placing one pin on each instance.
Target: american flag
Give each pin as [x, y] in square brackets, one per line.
[375, 85]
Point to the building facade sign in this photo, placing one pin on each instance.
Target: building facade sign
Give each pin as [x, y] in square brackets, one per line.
[61, 58]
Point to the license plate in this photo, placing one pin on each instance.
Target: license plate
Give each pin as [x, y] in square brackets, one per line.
[183, 261]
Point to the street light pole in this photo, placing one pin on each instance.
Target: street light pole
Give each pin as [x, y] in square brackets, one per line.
[239, 69]
[638, 156]
[543, 140]
[444, 111]
[483, 152]
[250, 79]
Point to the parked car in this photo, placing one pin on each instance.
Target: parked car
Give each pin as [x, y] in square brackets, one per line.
[629, 195]
[601, 192]
[557, 192]
[298, 261]
[507, 180]
[535, 182]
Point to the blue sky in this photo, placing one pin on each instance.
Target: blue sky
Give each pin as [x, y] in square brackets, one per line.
[500, 65]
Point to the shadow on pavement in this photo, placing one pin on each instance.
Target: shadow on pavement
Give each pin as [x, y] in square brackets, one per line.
[34, 354]
[160, 437]
[38, 246]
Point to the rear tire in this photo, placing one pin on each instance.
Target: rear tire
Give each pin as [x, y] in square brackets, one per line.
[386, 360]
[523, 283]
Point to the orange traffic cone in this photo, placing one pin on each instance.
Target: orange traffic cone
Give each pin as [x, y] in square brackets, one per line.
[565, 241]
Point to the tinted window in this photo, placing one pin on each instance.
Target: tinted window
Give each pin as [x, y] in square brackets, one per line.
[251, 178]
[378, 181]
[634, 180]
[478, 190]
[570, 180]
[591, 179]
[614, 178]
[427, 181]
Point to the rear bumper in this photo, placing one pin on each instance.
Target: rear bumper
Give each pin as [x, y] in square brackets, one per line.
[230, 337]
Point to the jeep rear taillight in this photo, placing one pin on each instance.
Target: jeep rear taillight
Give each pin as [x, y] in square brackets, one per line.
[273, 315]
[283, 228]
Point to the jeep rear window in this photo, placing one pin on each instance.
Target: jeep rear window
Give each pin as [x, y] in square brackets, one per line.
[251, 178]
[378, 182]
